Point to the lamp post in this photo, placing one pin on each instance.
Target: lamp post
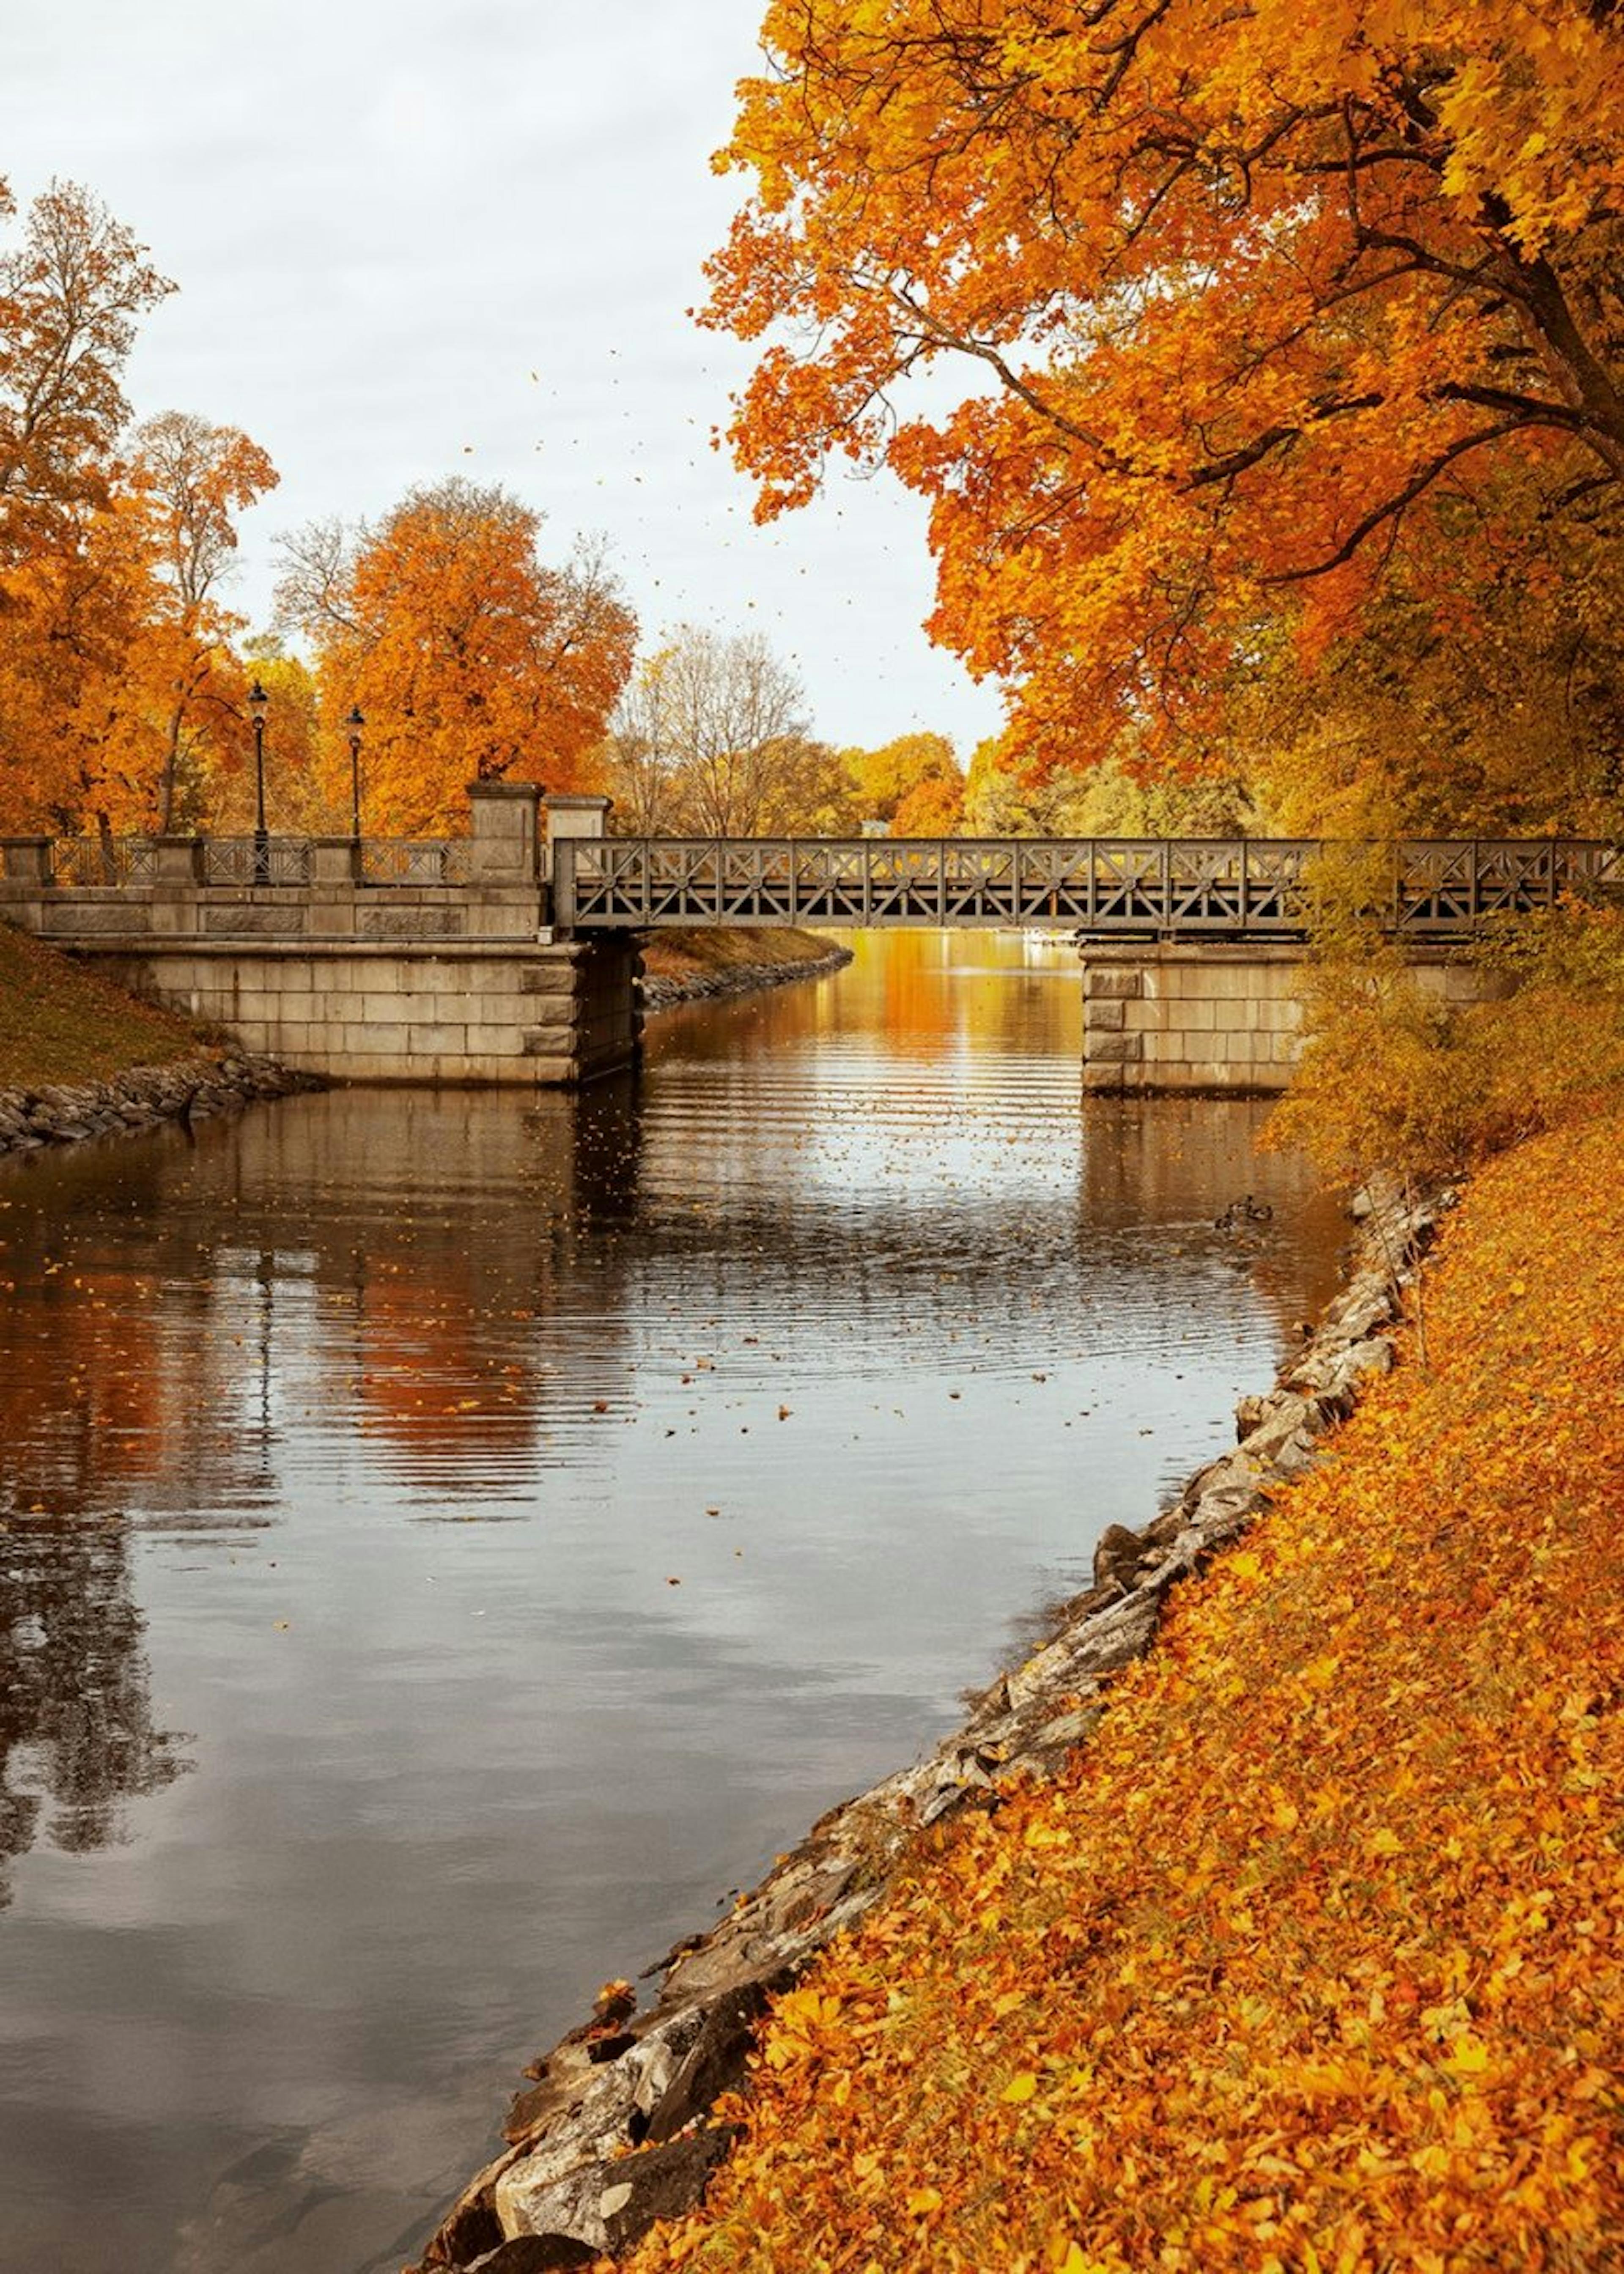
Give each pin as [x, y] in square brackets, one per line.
[353, 725]
[259, 704]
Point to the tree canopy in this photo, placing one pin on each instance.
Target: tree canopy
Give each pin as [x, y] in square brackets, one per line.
[1237, 301]
[466, 653]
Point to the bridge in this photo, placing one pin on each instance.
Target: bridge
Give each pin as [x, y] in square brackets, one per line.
[510, 955]
[1098, 888]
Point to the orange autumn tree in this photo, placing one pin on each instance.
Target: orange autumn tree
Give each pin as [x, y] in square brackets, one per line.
[75, 750]
[192, 478]
[468, 656]
[1237, 296]
[77, 565]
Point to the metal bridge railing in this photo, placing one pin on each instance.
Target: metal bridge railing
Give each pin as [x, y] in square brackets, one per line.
[1101, 886]
[412, 861]
[103, 861]
[255, 861]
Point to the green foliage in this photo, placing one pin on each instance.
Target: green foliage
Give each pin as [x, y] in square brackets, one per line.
[1116, 798]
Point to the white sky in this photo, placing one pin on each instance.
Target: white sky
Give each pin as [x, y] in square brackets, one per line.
[384, 215]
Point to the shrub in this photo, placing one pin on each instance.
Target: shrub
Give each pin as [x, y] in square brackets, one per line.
[1392, 1078]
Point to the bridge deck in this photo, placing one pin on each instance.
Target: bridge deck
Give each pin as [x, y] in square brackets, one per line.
[1102, 888]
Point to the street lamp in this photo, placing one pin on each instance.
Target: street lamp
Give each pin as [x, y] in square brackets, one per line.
[259, 704]
[353, 725]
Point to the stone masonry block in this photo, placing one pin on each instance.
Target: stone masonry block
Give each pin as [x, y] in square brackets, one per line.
[1110, 981]
[487, 1039]
[377, 1038]
[1116, 1050]
[1104, 1015]
[547, 978]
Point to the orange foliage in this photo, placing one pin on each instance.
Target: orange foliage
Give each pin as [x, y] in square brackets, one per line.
[930, 809]
[1313, 1958]
[70, 293]
[467, 656]
[1232, 291]
[119, 694]
[192, 480]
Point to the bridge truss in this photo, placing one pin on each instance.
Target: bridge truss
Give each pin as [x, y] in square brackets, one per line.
[1102, 888]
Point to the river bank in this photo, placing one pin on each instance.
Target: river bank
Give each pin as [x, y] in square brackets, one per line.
[701, 966]
[1309, 1958]
[618, 2128]
[79, 1058]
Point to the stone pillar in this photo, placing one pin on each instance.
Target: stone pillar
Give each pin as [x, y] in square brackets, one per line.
[177, 860]
[175, 904]
[26, 860]
[505, 850]
[25, 884]
[576, 817]
[334, 860]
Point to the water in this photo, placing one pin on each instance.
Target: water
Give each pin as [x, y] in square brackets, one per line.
[454, 1541]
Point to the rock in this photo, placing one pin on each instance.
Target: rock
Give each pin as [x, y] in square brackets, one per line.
[713, 2064]
[534, 2253]
[1117, 1557]
[609, 2204]
[1249, 1414]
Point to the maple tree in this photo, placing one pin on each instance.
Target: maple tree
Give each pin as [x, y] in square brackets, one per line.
[118, 688]
[468, 656]
[1236, 297]
[72, 609]
[1311, 1957]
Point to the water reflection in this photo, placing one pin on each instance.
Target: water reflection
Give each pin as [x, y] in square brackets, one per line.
[539, 1511]
[77, 1741]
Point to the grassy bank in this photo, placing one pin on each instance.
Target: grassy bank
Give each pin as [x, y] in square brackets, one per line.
[703, 953]
[60, 1023]
[1315, 1957]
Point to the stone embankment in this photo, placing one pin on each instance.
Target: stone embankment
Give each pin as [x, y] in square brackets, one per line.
[188, 1089]
[664, 991]
[614, 2132]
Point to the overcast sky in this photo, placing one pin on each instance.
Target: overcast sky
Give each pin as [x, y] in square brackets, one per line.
[416, 239]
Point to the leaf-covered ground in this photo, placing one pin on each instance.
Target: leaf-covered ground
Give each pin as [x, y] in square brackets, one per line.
[707, 951]
[60, 1022]
[1315, 1959]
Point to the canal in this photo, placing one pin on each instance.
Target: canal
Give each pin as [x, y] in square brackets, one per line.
[451, 1541]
